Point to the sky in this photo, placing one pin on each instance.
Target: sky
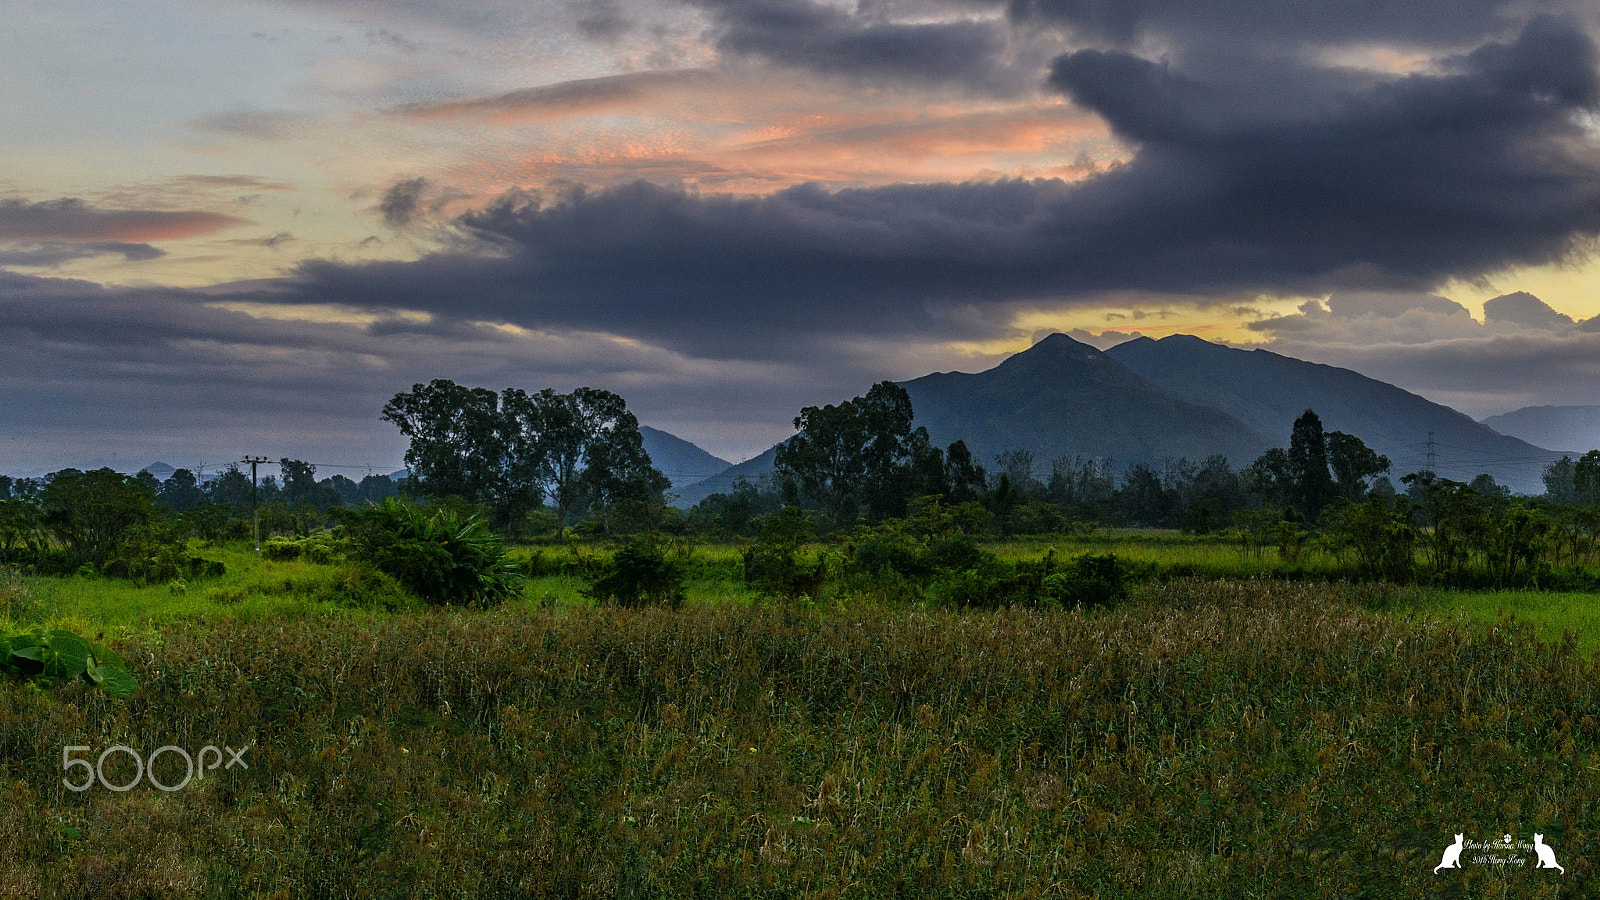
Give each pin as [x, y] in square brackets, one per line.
[233, 227]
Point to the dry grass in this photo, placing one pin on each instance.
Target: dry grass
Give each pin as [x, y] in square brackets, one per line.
[1210, 740]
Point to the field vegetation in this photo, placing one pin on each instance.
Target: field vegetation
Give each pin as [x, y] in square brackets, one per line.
[888, 672]
[1204, 738]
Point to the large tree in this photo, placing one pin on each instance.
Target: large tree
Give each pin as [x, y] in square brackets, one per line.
[855, 457]
[1354, 465]
[89, 512]
[1317, 468]
[511, 451]
[1308, 465]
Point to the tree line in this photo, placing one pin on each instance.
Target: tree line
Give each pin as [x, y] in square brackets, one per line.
[537, 463]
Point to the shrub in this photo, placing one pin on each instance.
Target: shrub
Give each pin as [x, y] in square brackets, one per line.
[157, 553]
[1092, 580]
[320, 547]
[640, 573]
[773, 564]
[442, 555]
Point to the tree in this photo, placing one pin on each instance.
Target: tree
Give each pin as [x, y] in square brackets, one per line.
[300, 485]
[853, 457]
[1353, 463]
[593, 454]
[231, 488]
[1271, 478]
[1586, 478]
[1316, 469]
[1558, 481]
[510, 451]
[463, 444]
[180, 492]
[1018, 464]
[89, 512]
[1308, 465]
[966, 478]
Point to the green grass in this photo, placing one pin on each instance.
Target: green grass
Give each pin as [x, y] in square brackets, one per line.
[1551, 614]
[253, 589]
[1204, 556]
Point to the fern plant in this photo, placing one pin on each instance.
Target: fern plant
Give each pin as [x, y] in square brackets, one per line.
[441, 554]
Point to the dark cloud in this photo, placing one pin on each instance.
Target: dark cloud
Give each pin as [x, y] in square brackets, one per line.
[1523, 308]
[1411, 181]
[1401, 185]
[385, 37]
[97, 371]
[402, 202]
[1430, 23]
[50, 255]
[254, 124]
[72, 220]
[1478, 375]
[1355, 304]
[603, 21]
[867, 44]
[270, 242]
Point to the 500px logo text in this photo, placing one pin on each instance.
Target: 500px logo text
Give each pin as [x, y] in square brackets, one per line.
[145, 770]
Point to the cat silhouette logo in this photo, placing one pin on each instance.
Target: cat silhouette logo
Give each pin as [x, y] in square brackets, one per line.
[1452, 855]
[1547, 856]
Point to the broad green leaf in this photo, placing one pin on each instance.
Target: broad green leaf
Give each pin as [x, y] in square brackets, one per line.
[66, 654]
[104, 655]
[34, 652]
[117, 682]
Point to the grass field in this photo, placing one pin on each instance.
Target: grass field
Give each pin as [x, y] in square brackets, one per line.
[1208, 738]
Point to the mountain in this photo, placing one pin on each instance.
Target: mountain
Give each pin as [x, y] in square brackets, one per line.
[1058, 398]
[1576, 428]
[1269, 391]
[752, 469]
[682, 462]
[1064, 398]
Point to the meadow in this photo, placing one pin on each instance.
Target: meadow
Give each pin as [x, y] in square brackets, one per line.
[1223, 736]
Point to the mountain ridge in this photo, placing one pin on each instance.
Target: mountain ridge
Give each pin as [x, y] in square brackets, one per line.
[1269, 391]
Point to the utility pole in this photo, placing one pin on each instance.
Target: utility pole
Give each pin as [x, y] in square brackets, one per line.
[255, 518]
[1430, 451]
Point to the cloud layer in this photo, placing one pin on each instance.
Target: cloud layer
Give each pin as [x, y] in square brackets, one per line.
[726, 209]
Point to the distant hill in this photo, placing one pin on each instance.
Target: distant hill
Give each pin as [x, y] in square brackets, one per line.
[682, 462]
[1573, 428]
[1058, 398]
[1064, 398]
[1268, 391]
[752, 469]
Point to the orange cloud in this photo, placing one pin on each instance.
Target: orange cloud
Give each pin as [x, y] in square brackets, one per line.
[582, 96]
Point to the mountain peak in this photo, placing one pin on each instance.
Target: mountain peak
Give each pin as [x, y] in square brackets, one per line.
[1060, 343]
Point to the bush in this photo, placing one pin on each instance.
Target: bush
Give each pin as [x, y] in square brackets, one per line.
[640, 573]
[157, 553]
[442, 555]
[320, 547]
[1092, 580]
[773, 564]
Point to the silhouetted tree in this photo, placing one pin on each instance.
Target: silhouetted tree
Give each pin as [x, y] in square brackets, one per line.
[854, 457]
